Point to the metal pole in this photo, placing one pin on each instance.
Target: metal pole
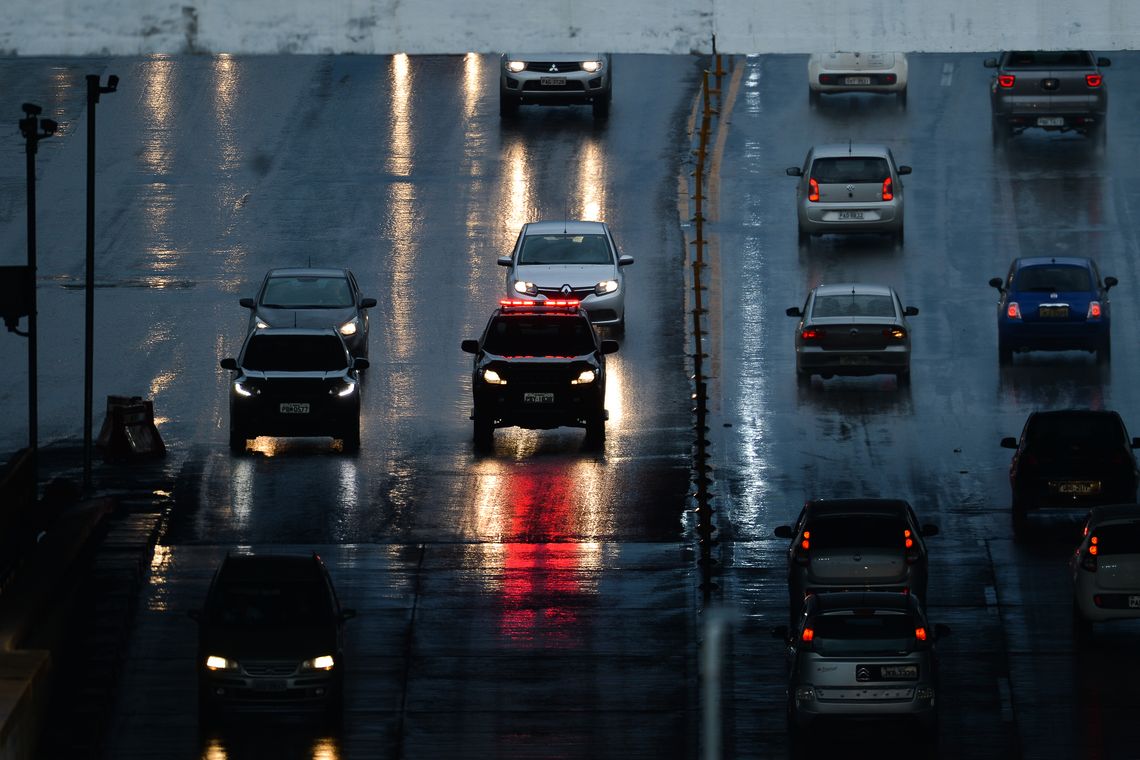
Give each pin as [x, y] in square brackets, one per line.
[33, 375]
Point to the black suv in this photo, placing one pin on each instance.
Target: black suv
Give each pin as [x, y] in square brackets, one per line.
[270, 637]
[539, 365]
[1075, 458]
[295, 381]
[1054, 90]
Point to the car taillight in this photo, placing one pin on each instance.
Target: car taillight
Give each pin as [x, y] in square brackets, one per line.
[888, 190]
[812, 333]
[1094, 310]
[1005, 80]
[911, 546]
[813, 189]
[1012, 310]
[801, 553]
[807, 635]
[894, 333]
[828, 79]
[1088, 558]
[1093, 80]
[920, 633]
[889, 79]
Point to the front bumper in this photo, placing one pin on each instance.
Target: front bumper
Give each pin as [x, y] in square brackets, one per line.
[326, 416]
[526, 87]
[568, 409]
[242, 692]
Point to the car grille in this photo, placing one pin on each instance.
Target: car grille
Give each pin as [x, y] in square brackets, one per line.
[270, 667]
[579, 293]
[294, 390]
[543, 67]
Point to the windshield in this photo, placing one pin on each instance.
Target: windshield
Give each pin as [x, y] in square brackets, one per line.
[294, 353]
[1048, 58]
[853, 305]
[850, 169]
[267, 605]
[565, 249]
[862, 632]
[1053, 279]
[539, 336]
[304, 292]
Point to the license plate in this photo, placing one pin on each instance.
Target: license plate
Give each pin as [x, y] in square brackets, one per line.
[1053, 312]
[1050, 121]
[899, 672]
[294, 408]
[847, 216]
[854, 360]
[857, 80]
[1079, 487]
[553, 81]
[538, 398]
[270, 684]
[1134, 602]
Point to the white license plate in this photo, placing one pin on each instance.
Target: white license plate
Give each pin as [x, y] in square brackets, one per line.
[553, 81]
[266, 684]
[538, 398]
[896, 672]
[1050, 121]
[294, 408]
[849, 216]
[1134, 601]
[1079, 487]
[857, 80]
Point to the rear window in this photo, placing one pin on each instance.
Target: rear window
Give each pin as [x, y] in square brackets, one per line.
[1118, 539]
[853, 305]
[1031, 59]
[307, 293]
[1060, 434]
[294, 353]
[565, 249]
[539, 336]
[1053, 279]
[862, 632]
[850, 169]
[870, 531]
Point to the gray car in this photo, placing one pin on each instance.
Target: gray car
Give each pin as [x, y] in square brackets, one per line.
[576, 260]
[852, 329]
[555, 79]
[1054, 90]
[861, 656]
[851, 544]
[847, 188]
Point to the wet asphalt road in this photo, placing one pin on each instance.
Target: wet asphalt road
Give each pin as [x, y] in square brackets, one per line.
[542, 601]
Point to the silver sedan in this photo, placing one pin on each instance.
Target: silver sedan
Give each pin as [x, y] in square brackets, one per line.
[852, 329]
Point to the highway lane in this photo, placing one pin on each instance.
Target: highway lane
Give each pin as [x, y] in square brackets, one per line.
[542, 601]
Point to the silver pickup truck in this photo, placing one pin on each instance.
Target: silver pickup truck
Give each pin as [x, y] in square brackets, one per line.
[1055, 90]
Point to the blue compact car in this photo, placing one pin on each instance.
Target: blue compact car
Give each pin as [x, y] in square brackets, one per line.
[1053, 303]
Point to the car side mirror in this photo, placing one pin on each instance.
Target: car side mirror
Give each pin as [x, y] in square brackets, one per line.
[347, 614]
[228, 363]
[941, 630]
[904, 169]
[929, 530]
[794, 171]
[783, 531]
[793, 311]
[996, 282]
[246, 302]
[360, 363]
[504, 261]
[470, 346]
[609, 346]
[990, 63]
[367, 303]
[1009, 443]
[780, 632]
[910, 311]
[1110, 282]
[625, 260]
[1103, 62]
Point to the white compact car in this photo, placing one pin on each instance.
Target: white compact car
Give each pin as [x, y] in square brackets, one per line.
[857, 72]
[1106, 568]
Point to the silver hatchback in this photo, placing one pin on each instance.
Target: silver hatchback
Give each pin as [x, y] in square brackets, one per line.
[849, 188]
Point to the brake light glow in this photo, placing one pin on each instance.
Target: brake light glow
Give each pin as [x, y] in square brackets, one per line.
[1012, 310]
[1088, 558]
[888, 190]
[807, 635]
[1092, 546]
[1094, 310]
[909, 540]
[920, 633]
[1093, 80]
[805, 544]
[813, 189]
[1005, 80]
[812, 333]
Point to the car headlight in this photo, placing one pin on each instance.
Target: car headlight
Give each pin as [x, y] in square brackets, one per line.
[492, 377]
[526, 288]
[242, 389]
[350, 327]
[324, 662]
[260, 323]
[217, 662]
[343, 390]
[585, 377]
[591, 66]
[516, 66]
[605, 286]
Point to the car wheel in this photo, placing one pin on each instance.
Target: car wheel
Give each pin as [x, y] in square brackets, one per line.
[802, 237]
[1082, 627]
[1005, 353]
[351, 438]
[1020, 519]
[813, 97]
[899, 237]
[484, 437]
[508, 106]
[803, 379]
[1000, 131]
[902, 99]
[903, 378]
[1104, 350]
[596, 430]
[237, 440]
[602, 107]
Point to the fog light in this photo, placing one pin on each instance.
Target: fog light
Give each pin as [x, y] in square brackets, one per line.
[805, 694]
[924, 693]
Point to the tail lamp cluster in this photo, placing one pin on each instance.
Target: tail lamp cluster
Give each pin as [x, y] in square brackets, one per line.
[888, 192]
[894, 334]
[1005, 81]
[1095, 310]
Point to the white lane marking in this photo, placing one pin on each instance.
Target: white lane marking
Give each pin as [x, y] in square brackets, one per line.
[947, 74]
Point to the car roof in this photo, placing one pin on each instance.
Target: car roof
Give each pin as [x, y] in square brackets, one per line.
[829, 507]
[307, 272]
[859, 288]
[567, 226]
[838, 150]
[850, 600]
[1037, 261]
[244, 568]
[1082, 412]
[1111, 513]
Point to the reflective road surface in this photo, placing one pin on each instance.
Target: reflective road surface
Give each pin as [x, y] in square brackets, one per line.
[544, 600]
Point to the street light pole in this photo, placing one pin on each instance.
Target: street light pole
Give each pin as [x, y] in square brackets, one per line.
[94, 90]
[30, 129]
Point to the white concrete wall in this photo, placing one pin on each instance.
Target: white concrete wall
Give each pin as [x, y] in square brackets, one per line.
[131, 27]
